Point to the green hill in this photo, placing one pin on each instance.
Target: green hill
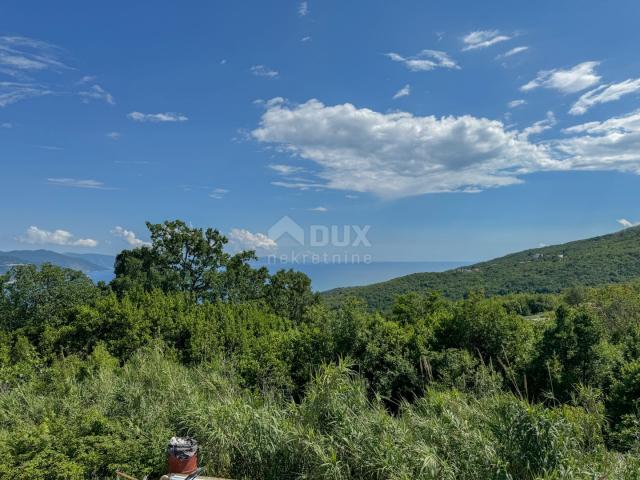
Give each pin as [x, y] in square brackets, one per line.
[596, 261]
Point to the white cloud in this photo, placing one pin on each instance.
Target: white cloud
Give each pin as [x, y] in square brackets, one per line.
[483, 39]
[573, 80]
[114, 135]
[30, 63]
[403, 92]
[87, 79]
[157, 117]
[218, 193]
[305, 39]
[285, 169]
[516, 103]
[610, 145]
[22, 56]
[303, 9]
[399, 154]
[627, 224]
[319, 209]
[77, 183]
[263, 71]
[13, 92]
[6, 125]
[96, 92]
[35, 235]
[512, 52]
[129, 237]
[302, 184]
[539, 126]
[628, 123]
[246, 240]
[425, 60]
[604, 94]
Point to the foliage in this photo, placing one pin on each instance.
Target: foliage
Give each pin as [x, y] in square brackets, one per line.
[592, 262]
[276, 384]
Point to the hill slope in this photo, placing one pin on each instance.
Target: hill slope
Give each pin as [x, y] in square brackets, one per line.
[38, 257]
[607, 259]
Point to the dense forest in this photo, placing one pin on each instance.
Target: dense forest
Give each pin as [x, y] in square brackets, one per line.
[275, 383]
[596, 261]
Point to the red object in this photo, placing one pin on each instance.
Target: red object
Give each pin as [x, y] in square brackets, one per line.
[187, 465]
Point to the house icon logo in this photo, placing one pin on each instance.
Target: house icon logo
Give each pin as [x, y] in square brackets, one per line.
[287, 231]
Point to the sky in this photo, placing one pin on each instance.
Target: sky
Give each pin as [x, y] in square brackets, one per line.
[407, 130]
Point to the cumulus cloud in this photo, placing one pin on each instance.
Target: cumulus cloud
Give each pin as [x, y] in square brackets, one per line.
[399, 154]
[516, 103]
[77, 183]
[128, 236]
[37, 236]
[263, 71]
[483, 39]
[157, 117]
[303, 9]
[403, 92]
[512, 52]
[425, 60]
[96, 92]
[604, 94]
[245, 240]
[573, 80]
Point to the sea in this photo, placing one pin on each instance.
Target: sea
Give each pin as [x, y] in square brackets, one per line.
[326, 276]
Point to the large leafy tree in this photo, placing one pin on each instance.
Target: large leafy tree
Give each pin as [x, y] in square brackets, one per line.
[186, 259]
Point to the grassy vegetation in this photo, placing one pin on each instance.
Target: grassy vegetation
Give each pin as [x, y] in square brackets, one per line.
[597, 261]
[97, 417]
[275, 384]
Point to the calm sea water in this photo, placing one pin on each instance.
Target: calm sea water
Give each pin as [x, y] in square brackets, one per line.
[327, 276]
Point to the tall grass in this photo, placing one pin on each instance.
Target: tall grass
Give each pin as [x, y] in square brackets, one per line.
[86, 419]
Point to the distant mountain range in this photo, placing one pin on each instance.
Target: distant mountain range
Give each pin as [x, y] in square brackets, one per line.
[596, 261]
[85, 262]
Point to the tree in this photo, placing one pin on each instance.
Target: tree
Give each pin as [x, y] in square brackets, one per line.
[186, 259]
[33, 298]
[572, 352]
[289, 294]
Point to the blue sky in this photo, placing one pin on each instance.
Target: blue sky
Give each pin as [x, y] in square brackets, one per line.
[454, 130]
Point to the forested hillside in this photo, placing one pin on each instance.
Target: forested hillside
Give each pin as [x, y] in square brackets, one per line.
[596, 261]
[274, 384]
